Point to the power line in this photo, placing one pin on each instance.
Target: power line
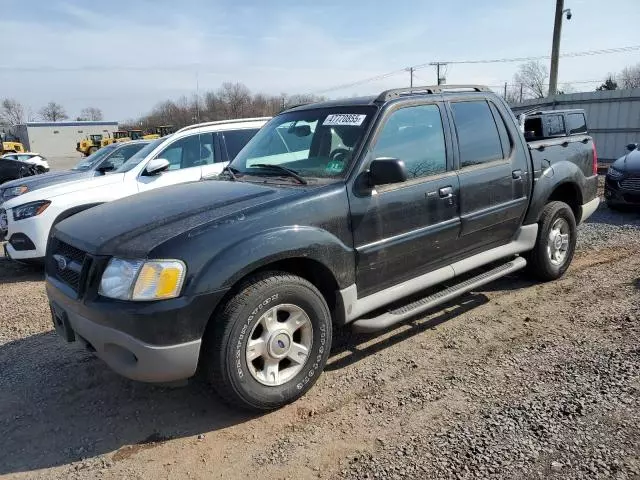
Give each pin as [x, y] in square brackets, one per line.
[605, 51]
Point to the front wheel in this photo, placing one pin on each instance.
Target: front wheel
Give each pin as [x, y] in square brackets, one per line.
[270, 343]
[556, 242]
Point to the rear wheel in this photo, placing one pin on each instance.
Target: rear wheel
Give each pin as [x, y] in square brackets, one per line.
[556, 242]
[270, 342]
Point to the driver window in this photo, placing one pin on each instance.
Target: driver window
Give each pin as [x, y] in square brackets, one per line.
[188, 152]
[414, 135]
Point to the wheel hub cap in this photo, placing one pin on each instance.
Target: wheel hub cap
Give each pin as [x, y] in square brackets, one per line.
[558, 243]
[279, 345]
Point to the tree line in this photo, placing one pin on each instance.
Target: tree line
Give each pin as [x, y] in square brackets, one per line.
[231, 100]
[531, 80]
[13, 112]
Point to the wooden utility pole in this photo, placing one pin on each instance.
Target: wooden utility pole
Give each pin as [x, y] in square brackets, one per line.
[555, 48]
[438, 65]
[505, 90]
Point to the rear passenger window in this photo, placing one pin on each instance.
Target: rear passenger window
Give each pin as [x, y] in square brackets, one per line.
[188, 152]
[235, 140]
[415, 136]
[478, 138]
[577, 123]
[555, 124]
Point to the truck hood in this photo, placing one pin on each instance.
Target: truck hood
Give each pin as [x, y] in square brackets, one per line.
[69, 184]
[629, 164]
[131, 227]
[45, 179]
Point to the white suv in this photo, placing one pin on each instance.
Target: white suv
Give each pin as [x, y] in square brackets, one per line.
[190, 154]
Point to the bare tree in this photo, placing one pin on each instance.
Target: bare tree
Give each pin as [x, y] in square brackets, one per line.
[566, 88]
[513, 94]
[11, 112]
[630, 77]
[236, 97]
[53, 112]
[91, 114]
[533, 78]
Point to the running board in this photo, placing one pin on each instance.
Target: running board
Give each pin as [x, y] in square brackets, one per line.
[391, 317]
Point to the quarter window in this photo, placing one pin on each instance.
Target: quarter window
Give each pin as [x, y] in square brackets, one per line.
[414, 135]
[478, 138]
[577, 123]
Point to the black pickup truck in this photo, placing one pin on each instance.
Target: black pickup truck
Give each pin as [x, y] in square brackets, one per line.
[354, 211]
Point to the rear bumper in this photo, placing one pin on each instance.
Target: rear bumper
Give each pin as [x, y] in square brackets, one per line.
[588, 208]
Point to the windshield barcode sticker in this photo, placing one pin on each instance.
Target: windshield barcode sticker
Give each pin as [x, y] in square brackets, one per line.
[344, 119]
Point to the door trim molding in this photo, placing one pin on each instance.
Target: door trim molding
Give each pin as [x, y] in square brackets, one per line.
[355, 307]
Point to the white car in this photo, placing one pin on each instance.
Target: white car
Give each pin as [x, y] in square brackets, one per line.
[190, 154]
[30, 157]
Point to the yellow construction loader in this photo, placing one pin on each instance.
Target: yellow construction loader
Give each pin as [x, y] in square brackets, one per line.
[118, 136]
[10, 144]
[161, 131]
[89, 145]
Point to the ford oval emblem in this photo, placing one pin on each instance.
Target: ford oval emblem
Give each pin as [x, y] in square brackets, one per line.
[61, 261]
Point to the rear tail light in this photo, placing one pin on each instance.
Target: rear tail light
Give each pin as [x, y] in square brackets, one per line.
[595, 159]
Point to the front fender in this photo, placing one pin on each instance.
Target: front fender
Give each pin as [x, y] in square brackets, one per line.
[558, 174]
[249, 254]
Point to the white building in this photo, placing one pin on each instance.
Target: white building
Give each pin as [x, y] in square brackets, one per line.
[59, 139]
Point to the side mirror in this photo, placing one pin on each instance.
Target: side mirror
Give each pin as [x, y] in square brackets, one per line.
[106, 167]
[383, 171]
[156, 166]
[632, 146]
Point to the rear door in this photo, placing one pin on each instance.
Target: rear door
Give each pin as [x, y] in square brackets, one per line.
[406, 229]
[493, 175]
[186, 156]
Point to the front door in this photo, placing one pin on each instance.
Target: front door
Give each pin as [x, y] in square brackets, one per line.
[406, 229]
[186, 157]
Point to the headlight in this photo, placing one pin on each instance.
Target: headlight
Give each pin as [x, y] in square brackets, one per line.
[29, 210]
[614, 174]
[142, 280]
[14, 191]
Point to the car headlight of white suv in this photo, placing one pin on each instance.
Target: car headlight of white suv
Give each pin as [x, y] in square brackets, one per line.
[30, 209]
[142, 280]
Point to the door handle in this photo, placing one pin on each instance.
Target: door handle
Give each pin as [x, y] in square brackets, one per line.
[446, 192]
[516, 174]
[565, 144]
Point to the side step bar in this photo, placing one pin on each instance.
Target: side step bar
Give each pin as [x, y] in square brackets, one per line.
[391, 317]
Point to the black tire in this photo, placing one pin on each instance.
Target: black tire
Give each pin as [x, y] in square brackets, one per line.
[540, 264]
[224, 359]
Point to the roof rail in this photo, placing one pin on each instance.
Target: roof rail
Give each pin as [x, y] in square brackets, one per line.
[430, 89]
[222, 122]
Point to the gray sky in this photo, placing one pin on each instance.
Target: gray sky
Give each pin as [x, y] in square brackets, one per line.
[85, 56]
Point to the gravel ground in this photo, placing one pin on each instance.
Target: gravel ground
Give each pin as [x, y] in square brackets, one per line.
[516, 380]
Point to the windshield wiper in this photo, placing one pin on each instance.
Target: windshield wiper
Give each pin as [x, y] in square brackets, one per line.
[230, 170]
[280, 168]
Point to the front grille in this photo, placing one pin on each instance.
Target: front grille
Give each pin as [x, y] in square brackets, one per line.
[632, 183]
[66, 262]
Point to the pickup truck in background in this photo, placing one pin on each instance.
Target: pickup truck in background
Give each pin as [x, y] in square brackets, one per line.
[361, 211]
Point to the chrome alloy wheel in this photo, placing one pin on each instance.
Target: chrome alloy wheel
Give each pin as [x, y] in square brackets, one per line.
[279, 345]
[558, 241]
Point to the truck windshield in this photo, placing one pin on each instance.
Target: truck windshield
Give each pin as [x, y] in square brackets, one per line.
[140, 155]
[316, 143]
[92, 160]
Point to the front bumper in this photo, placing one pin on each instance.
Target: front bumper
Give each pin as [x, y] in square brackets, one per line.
[616, 194]
[144, 341]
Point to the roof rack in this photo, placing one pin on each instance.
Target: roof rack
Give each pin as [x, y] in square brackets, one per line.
[223, 122]
[431, 89]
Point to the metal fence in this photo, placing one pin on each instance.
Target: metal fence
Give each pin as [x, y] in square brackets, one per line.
[613, 117]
